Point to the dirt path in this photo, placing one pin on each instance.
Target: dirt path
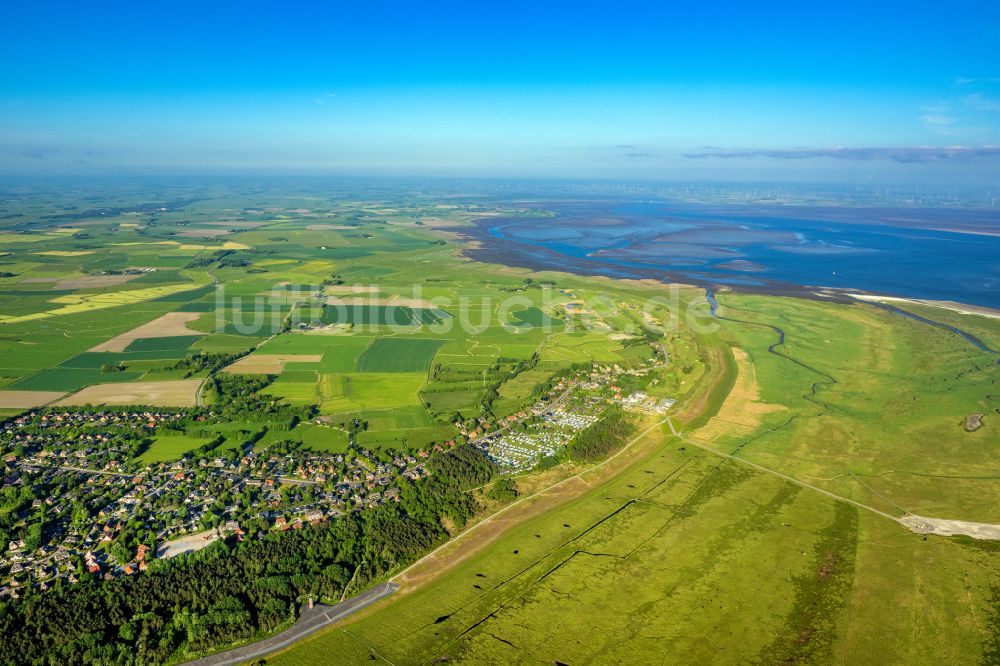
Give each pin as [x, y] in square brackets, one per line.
[944, 527]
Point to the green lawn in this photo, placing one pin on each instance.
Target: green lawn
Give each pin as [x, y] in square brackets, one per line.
[171, 447]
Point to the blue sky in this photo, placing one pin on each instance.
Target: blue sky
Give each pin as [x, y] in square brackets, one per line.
[906, 91]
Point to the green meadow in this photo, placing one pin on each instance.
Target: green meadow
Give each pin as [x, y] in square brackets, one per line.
[691, 556]
[867, 404]
[171, 447]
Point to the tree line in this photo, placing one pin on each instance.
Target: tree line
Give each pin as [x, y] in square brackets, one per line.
[234, 591]
[605, 435]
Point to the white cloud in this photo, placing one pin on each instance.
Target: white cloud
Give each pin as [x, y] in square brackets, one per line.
[937, 120]
[940, 123]
[980, 102]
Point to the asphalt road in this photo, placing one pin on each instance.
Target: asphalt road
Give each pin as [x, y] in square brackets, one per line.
[310, 621]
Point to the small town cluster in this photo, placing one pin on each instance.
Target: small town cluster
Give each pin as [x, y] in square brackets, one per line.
[81, 502]
[89, 508]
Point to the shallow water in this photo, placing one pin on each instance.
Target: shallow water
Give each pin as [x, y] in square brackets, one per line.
[903, 252]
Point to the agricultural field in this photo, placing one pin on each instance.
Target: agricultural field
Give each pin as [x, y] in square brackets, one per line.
[170, 393]
[370, 390]
[169, 331]
[17, 400]
[579, 347]
[399, 355]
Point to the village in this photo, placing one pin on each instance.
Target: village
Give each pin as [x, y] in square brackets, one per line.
[93, 512]
[96, 511]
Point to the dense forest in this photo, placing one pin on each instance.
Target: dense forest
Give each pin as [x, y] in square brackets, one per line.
[607, 434]
[233, 591]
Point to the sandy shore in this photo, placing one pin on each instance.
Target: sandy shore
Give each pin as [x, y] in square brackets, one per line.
[961, 308]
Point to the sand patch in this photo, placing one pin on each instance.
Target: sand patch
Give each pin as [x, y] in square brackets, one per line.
[945, 527]
[228, 245]
[269, 364]
[187, 544]
[26, 399]
[963, 230]
[170, 325]
[742, 411]
[960, 308]
[174, 393]
[94, 281]
[330, 329]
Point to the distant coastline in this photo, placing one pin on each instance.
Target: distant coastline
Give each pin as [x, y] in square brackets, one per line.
[722, 253]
